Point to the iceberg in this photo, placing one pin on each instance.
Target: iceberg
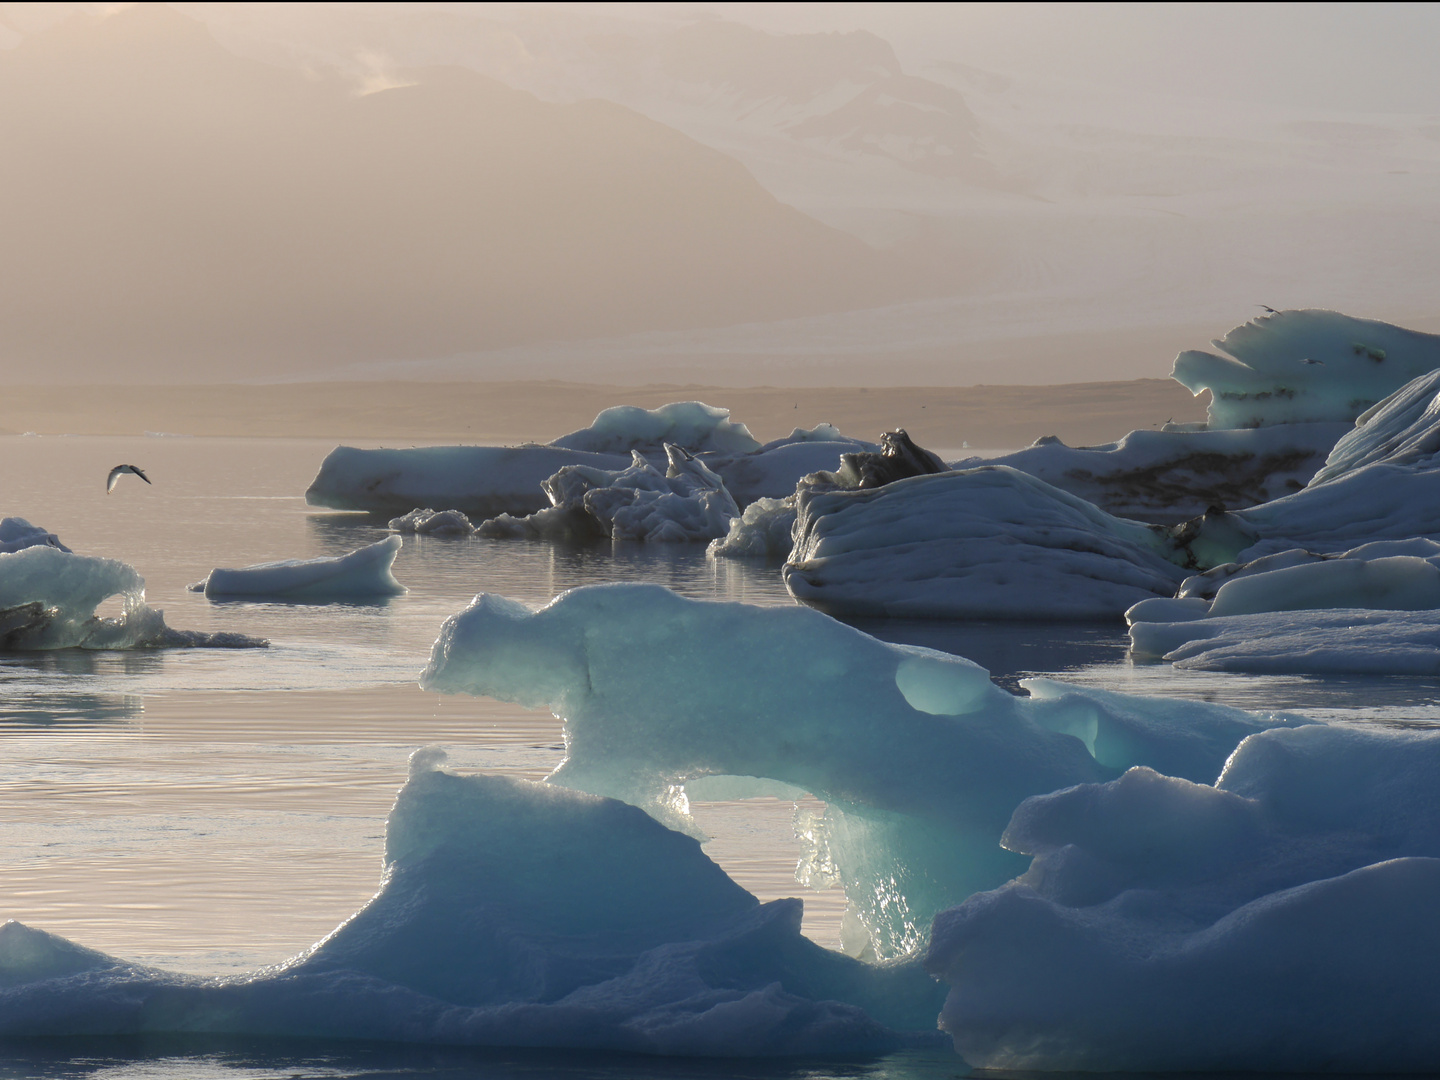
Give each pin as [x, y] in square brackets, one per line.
[513, 913]
[48, 598]
[692, 424]
[364, 572]
[1169, 476]
[918, 755]
[427, 522]
[1280, 920]
[686, 502]
[1308, 365]
[990, 542]
[17, 534]
[488, 481]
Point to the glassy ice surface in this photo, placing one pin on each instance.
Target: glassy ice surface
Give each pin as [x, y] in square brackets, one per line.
[213, 811]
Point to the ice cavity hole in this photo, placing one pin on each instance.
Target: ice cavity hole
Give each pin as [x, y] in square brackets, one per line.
[753, 829]
[939, 686]
[112, 608]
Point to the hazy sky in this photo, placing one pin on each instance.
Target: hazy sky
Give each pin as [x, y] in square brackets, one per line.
[1370, 57]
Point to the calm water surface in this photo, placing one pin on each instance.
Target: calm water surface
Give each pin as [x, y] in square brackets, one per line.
[213, 811]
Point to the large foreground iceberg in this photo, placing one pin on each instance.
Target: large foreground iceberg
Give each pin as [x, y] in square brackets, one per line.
[919, 756]
[1293, 366]
[1282, 920]
[512, 914]
[364, 572]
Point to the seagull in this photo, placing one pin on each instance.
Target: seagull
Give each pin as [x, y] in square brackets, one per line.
[115, 475]
[1268, 309]
[1307, 360]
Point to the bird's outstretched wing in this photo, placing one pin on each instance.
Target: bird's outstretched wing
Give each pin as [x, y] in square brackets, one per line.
[138, 473]
[114, 475]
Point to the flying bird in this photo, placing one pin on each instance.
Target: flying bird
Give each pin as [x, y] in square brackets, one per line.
[1268, 309]
[115, 475]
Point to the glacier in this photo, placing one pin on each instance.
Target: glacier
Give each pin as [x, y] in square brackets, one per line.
[364, 572]
[1304, 365]
[918, 755]
[1279, 920]
[512, 913]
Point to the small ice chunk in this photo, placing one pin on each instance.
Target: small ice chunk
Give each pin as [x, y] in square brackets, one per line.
[427, 522]
[360, 573]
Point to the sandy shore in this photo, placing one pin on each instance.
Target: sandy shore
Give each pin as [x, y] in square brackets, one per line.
[512, 412]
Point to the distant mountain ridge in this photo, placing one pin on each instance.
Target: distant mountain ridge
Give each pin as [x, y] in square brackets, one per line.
[183, 210]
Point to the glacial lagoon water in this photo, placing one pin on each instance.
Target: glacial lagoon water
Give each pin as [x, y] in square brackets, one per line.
[215, 811]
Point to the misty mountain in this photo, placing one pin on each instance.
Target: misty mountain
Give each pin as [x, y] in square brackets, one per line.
[181, 210]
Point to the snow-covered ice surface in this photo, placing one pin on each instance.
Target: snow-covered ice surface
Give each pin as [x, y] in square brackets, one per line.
[1170, 476]
[1281, 920]
[686, 502]
[359, 574]
[918, 755]
[989, 542]
[1296, 366]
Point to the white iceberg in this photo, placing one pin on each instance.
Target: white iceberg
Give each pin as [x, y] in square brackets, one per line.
[512, 914]
[692, 424]
[49, 595]
[428, 522]
[364, 572]
[1308, 365]
[487, 481]
[1282, 920]
[990, 542]
[919, 756]
[687, 502]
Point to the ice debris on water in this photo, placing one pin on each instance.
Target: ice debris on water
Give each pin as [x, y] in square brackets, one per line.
[362, 573]
[686, 502]
[49, 595]
[427, 522]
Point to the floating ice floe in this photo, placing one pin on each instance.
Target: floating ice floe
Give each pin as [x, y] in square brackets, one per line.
[364, 572]
[1294, 366]
[48, 598]
[487, 481]
[1374, 609]
[1282, 920]
[919, 756]
[513, 914]
[427, 522]
[686, 502]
